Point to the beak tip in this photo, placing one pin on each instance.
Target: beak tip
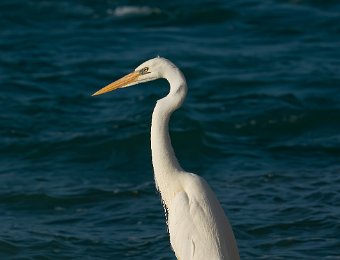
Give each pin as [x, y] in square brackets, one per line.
[96, 93]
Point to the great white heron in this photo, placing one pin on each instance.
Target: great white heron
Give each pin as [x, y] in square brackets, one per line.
[198, 226]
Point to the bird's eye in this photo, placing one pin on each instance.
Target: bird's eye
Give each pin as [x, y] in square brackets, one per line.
[144, 70]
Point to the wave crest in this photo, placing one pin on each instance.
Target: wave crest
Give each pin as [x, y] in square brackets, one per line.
[123, 11]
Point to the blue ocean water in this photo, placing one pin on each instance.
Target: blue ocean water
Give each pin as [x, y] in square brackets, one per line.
[261, 124]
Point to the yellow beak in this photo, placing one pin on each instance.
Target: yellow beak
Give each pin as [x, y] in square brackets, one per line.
[125, 81]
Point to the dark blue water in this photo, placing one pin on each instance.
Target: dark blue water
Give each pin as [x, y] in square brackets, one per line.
[261, 124]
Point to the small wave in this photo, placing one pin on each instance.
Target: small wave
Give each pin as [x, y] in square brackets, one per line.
[124, 11]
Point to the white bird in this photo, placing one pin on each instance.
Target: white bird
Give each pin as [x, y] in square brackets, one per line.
[198, 227]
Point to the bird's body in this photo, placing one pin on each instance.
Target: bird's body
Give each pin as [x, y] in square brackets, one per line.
[198, 227]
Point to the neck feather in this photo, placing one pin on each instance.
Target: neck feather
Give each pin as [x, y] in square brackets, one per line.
[164, 161]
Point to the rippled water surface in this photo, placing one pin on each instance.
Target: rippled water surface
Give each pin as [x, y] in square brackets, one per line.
[261, 124]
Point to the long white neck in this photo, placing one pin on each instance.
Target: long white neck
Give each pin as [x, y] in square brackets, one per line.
[165, 163]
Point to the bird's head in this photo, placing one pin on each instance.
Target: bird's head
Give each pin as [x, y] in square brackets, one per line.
[147, 71]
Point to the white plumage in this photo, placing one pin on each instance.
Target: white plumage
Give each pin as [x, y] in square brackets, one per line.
[198, 227]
